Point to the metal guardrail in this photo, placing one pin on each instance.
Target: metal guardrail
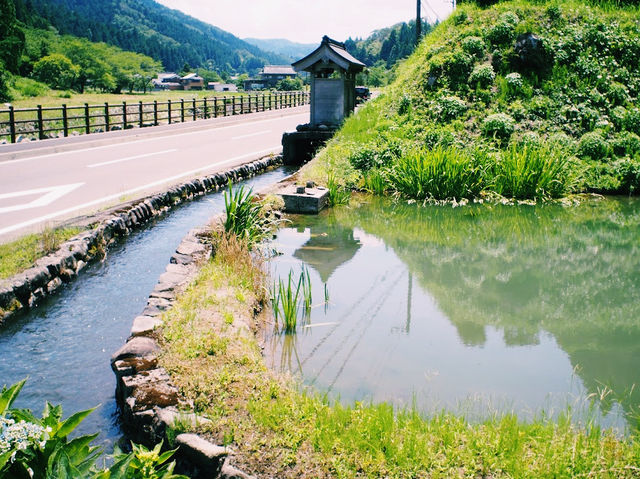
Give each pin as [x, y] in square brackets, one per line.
[42, 121]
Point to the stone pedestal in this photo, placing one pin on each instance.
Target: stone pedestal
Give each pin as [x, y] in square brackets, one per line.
[307, 200]
[298, 147]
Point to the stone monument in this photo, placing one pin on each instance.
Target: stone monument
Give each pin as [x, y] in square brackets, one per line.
[333, 97]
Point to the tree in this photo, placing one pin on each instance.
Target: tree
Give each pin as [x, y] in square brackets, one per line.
[11, 37]
[289, 84]
[91, 67]
[4, 84]
[56, 70]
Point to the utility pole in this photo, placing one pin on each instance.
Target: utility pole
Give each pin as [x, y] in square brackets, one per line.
[418, 22]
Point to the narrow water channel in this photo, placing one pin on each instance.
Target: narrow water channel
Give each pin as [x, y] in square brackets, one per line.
[64, 345]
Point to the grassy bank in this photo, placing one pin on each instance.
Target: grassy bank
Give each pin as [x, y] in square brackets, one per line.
[277, 430]
[22, 253]
[524, 99]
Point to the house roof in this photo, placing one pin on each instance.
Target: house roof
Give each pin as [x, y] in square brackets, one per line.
[330, 51]
[278, 70]
[192, 76]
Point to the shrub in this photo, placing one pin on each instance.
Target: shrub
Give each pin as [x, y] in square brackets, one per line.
[482, 76]
[40, 448]
[541, 106]
[474, 46]
[498, 125]
[589, 117]
[628, 171]
[376, 155]
[617, 94]
[532, 172]
[514, 81]
[442, 173]
[626, 143]
[29, 88]
[593, 146]
[632, 121]
[618, 117]
[502, 34]
[450, 107]
[458, 67]
[439, 137]
[517, 110]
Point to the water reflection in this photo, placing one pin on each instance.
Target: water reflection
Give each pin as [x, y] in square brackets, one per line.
[528, 308]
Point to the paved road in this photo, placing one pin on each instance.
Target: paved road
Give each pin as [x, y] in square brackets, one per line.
[43, 183]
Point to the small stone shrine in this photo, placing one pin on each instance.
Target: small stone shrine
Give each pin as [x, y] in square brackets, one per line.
[333, 97]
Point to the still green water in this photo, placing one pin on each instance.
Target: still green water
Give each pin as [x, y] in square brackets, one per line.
[479, 310]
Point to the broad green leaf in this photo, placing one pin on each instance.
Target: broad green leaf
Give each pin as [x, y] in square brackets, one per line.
[9, 395]
[72, 422]
[4, 458]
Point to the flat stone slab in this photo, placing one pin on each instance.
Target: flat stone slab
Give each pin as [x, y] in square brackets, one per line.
[304, 200]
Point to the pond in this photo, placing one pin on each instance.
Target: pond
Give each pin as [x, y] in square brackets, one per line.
[478, 310]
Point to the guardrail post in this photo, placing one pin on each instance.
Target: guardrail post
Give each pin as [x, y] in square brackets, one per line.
[40, 123]
[107, 126]
[242, 105]
[140, 116]
[65, 120]
[233, 104]
[124, 115]
[206, 113]
[215, 107]
[263, 95]
[224, 105]
[182, 110]
[87, 120]
[12, 124]
[169, 109]
[155, 112]
[194, 108]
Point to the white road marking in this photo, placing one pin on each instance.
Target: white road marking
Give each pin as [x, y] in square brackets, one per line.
[128, 158]
[128, 143]
[250, 135]
[104, 199]
[51, 193]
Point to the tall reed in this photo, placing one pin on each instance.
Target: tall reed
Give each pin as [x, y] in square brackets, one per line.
[338, 195]
[243, 215]
[441, 173]
[288, 297]
[532, 172]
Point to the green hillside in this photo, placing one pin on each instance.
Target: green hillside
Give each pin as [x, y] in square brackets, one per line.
[527, 100]
[147, 27]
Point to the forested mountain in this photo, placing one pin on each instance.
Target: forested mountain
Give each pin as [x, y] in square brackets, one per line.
[387, 44]
[292, 50]
[147, 27]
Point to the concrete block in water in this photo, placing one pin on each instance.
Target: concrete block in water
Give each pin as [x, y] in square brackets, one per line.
[304, 200]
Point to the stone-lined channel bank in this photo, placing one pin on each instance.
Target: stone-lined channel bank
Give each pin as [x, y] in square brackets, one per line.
[64, 345]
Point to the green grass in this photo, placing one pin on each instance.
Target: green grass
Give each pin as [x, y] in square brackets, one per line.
[576, 104]
[21, 254]
[277, 430]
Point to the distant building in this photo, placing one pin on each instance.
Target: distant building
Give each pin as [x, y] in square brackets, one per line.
[269, 77]
[218, 86]
[173, 81]
[167, 81]
[192, 81]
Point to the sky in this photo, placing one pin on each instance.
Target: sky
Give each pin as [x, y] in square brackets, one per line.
[306, 21]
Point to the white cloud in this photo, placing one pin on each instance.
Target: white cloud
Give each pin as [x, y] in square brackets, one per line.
[306, 21]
